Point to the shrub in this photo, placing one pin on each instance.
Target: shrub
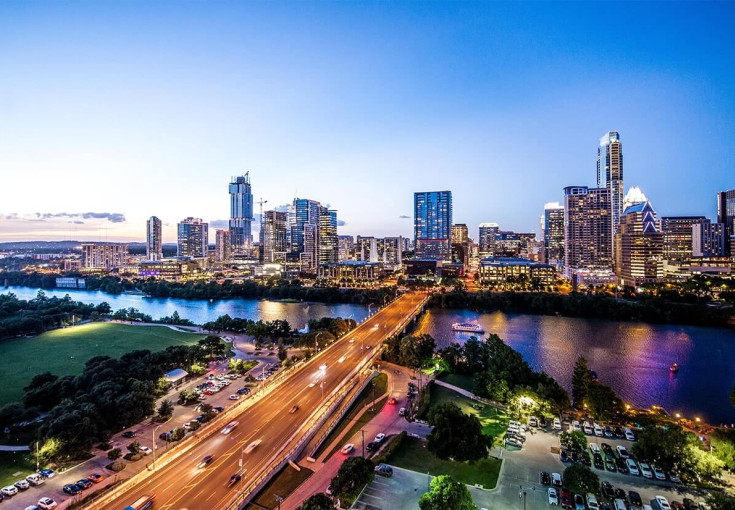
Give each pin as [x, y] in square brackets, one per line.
[104, 446]
[116, 466]
[392, 444]
[114, 454]
[132, 457]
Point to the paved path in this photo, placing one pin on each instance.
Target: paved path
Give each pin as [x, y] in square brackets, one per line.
[5, 448]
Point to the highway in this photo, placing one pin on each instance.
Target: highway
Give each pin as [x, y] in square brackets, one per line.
[181, 485]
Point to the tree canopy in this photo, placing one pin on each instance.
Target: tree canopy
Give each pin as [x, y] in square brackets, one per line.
[352, 476]
[456, 435]
[580, 479]
[444, 493]
[319, 501]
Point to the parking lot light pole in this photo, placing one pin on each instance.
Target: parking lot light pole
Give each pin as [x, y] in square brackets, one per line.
[153, 444]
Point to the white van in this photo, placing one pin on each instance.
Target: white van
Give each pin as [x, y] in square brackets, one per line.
[557, 424]
[629, 434]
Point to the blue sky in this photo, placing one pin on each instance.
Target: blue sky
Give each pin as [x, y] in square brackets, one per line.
[148, 108]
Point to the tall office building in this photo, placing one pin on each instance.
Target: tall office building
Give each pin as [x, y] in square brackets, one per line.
[486, 238]
[222, 245]
[154, 239]
[328, 240]
[346, 248]
[708, 239]
[639, 246]
[460, 234]
[588, 236]
[241, 214]
[726, 216]
[553, 228]
[677, 232]
[193, 238]
[273, 237]
[610, 173]
[104, 255]
[433, 224]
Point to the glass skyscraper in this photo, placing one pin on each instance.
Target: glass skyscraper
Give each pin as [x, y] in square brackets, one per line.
[154, 240]
[193, 238]
[241, 214]
[433, 224]
[610, 174]
[726, 216]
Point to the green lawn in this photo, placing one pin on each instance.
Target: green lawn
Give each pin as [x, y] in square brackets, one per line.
[64, 351]
[494, 421]
[283, 484]
[13, 462]
[381, 386]
[412, 454]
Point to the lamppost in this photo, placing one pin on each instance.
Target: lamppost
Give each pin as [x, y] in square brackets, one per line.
[153, 444]
[522, 494]
[363, 443]
[316, 341]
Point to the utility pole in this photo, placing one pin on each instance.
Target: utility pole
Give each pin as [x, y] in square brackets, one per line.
[363, 443]
[279, 500]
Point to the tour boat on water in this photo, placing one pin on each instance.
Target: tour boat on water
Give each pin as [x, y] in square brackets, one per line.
[467, 327]
[674, 368]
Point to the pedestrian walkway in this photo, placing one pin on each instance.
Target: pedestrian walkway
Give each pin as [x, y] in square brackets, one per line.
[5, 448]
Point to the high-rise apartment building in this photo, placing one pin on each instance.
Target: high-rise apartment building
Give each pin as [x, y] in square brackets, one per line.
[222, 245]
[708, 239]
[677, 232]
[588, 236]
[553, 228]
[346, 248]
[193, 238]
[273, 237]
[460, 234]
[312, 230]
[486, 238]
[610, 173]
[241, 214]
[726, 216]
[385, 250]
[154, 239]
[433, 224]
[104, 255]
[328, 249]
[639, 246]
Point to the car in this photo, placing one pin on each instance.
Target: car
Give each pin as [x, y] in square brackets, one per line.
[621, 465]
[379, 438]
[293, 409]
[645, 470]
[218, 409]
[587, 428]
[234, 396]
[384, 470]
[598, 429]
[532, 421]
[610, 465]
[243, 391]
[392, 401]
[372, 446]
[47, 473]
[557, 424]
[402, 411]
[10, 490]
[199, 418]
[564, 456]
[22, 484]
[690, 504]
[233, 480]
[607, 450]
[513, 441]
[635, 498]
[206, 460]
[609, 431]
[129, 434]
[585, 459]
[553, 496]
[620, 494]
[579, 502]
[186, 426]
[620, 504]
[658, 473]
[566, 499]
[556, 479]
[629, 434]
[545, 478]
[677, 505]
[329, 490]
[35, 479]
[346, 449]
[592, 503]
[622, 451]
[597, 461]
[368, 347]
[164, 435]
[543, 422]
[84, 483]
[607, 490]
[252, 446]
[145, 450]
[619, 433]
[71, 489]
[674, 477]
[95, 477]
[46, 503]
[661, 503]
[632, 467]
[576, 427]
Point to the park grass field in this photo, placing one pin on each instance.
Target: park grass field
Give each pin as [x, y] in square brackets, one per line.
[64, 351]
[494, 421]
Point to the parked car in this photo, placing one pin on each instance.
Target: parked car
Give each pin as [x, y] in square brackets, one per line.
[556, 479]
[592, 503]
[635, 498]
[658, 473]
[645, 470]
[576, 427]
[46, 503]
[22, 485]
[598, 430]
[620, 494]
[597, 461]
[346, 449]
[8, 491]
[660, 503]
[513, 441]
[607, 490]
[35, 479]
[557, 424]
[71, 489]
[47, 473]
[632, 466]
[84, 483]
[622, 451]
[95, 477]
[609, 431]
[587, 428]
[532, 421]
[129, 434]
[243, 391]
[629, 434]
[379, 438]
[566, 499]
[234, 396]
[145, 450]
[579, 502]
[553, 496]
[384, 470]
[621, 465]
[402, 411]
[545, 478]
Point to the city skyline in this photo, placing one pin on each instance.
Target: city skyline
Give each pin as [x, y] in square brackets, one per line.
[468, 108]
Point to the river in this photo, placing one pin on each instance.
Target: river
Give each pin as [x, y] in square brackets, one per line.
[633, 358]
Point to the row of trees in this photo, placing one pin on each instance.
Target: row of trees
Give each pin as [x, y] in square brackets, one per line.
[598, 399]
[657, 309]
[259, 330]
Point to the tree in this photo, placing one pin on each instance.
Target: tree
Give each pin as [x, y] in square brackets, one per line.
[352, 476]
[723, 446]
[664, 446]
[702, 464]
[720, 501]
[580, 479]
[133, 448]
[114, 454]
[575, 440]
[166, 408]
[581, 380]
[444, 493]
[282, 351]
[318, 501]
[456, 435]
[603, 402]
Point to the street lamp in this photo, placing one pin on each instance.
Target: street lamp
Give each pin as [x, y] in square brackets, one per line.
[316, 341]
[153, 444]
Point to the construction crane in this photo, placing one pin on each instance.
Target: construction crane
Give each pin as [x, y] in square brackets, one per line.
[260, 203]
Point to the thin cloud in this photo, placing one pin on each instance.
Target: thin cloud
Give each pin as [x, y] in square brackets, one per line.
[111, 217]
[404, 217]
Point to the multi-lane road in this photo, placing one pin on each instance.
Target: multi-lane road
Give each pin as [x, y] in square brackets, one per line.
[182, 485]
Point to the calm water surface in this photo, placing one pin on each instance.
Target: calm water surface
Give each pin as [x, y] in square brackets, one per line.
[633, 358]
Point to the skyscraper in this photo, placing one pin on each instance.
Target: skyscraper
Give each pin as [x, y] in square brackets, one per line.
[273, 237]
[610, 173]
[708, 239]
[726, 215]
[193, 238]
[486, 238]
[639, 246]
[433, 224]
[587, 229]
[677, 231]
[154, 239]
[328, 240]
[553, 227]
[241, 214]
[222, 245]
